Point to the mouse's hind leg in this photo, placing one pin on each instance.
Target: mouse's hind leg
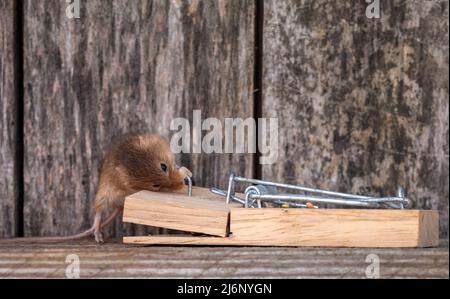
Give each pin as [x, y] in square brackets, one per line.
[97, 227]
[108, 196]
[98, 224]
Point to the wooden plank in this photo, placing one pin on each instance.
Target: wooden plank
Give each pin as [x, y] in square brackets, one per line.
[362, 103]
[116, 260]
[125, 66]
[335, 227]
[428, 228]
[178, 212]
[8, 120]
[180, 240]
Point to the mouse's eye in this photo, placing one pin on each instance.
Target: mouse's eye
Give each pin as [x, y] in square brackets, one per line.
[163, 167]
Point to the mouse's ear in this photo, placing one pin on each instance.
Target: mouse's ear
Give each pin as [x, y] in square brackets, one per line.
[121, 172]
[146, 140]
[141, 139]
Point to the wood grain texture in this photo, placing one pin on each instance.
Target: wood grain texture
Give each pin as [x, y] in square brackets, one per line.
[335, 227]
[124, 66]
[325, 228]
[115, 260]
[8, 184]
[362, 103]
[428, 228]
[178, 212]
[178, 240]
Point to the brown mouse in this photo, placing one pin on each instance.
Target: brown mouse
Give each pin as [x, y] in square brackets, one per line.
[132, 164]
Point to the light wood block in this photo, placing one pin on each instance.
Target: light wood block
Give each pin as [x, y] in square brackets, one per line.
[324, 228]
[204, 212]
[180, 240]
[335, 227]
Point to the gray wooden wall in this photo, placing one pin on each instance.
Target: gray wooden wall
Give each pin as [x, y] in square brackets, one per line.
[8, 122]
[362, 103]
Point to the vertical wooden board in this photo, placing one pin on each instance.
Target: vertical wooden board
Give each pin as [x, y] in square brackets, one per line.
[8, 204]
[124, 66]
[427, 237]
[362, 103]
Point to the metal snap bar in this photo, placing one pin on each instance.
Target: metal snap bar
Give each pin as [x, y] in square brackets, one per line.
[224, 194]
[189, 181]
[266, 191]
[187, 174]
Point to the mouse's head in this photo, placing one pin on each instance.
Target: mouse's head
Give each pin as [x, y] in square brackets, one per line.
[149, 164]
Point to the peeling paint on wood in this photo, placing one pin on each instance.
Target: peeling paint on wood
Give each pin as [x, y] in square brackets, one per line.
[124, 66]
[363, 103]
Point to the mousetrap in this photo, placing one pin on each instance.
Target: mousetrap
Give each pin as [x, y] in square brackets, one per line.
[265, 216]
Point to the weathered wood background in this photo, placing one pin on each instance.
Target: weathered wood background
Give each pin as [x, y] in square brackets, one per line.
[125, 66]
[362, 103]
[8, 121]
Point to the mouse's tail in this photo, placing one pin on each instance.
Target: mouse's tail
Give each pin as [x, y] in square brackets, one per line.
[85, 234]
[35, 240]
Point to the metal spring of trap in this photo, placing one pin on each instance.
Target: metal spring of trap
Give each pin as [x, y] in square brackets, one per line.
[261, 191]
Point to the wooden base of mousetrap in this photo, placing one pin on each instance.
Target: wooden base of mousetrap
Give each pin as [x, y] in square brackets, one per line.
[208, 214]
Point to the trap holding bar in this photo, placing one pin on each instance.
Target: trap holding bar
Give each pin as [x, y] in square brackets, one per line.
[266, 191]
